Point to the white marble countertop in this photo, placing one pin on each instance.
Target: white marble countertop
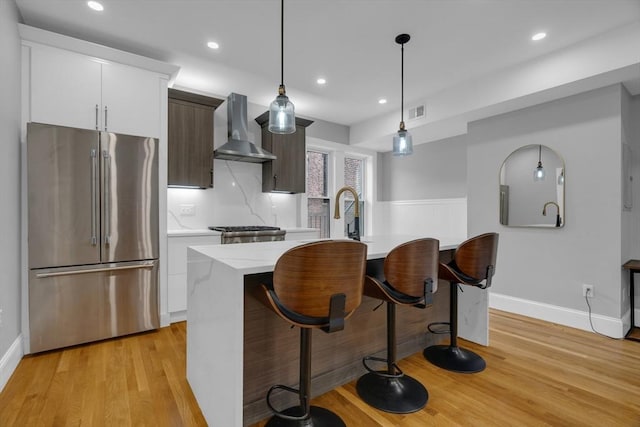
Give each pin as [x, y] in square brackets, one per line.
[251, 258]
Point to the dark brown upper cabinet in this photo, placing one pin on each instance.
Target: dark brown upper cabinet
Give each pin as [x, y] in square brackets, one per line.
[190, 157]
[286, 174]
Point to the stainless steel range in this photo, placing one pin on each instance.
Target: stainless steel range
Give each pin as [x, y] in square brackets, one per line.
[248, 234]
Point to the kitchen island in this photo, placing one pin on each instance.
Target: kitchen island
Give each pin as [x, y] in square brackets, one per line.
[237, 348]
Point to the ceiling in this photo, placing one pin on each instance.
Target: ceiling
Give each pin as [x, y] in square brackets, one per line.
[348, 42]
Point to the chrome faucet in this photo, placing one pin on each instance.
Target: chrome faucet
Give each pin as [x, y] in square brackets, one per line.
[544, 212]
[355, 234]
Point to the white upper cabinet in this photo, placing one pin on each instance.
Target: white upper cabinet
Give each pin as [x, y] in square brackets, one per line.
[130, 100]
[65, 88]
[75, 90]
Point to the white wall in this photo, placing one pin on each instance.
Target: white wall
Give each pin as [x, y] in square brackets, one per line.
[547, 267]
[444, 219]
[631, 219]
[436, 170]
[10, 60]
[540, 272]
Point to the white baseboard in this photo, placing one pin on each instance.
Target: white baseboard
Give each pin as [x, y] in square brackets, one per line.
[10, 360]
[165, 319]
[610, 326]
[178, 316]
[175, 316]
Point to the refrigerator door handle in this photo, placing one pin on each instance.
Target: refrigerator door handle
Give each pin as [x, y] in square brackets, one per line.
[107, 197]
[95, 270]
[94, 198]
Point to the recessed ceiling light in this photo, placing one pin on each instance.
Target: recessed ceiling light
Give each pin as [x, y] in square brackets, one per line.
[95, 6]
[321, 81]
[538, 36]
[382, 101]
[213, 45]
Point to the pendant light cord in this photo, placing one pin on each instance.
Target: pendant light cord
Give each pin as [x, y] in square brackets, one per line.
[540, 154]
[281, 42]
[402, 82]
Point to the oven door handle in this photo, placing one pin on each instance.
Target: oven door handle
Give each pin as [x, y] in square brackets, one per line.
[252, 236]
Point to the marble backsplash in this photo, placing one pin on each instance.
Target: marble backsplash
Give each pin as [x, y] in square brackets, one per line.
[236, 199]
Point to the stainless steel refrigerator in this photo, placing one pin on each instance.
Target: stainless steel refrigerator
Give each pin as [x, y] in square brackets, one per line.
[92, 235]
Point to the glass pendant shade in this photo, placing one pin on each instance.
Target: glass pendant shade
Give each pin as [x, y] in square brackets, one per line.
[402, 143]
[282, 117]
[538, 173]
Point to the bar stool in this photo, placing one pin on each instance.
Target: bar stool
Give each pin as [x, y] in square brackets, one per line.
[473, 264]
[315, 286]
[409, 272]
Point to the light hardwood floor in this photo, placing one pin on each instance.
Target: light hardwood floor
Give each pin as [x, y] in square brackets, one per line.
[537, 374]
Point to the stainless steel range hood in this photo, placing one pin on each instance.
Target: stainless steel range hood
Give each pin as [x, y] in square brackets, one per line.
[239, 148]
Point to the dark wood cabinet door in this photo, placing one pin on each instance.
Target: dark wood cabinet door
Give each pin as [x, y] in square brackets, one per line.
[190, 157]
[190, 144]
[287, 173]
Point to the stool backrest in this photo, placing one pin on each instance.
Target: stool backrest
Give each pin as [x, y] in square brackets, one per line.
[475, 255]
[306, 276]
[408, 265]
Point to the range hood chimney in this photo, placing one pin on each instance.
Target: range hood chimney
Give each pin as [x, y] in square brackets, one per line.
[239, 148]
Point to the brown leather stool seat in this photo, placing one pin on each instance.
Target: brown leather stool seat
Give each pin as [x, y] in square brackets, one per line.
[409, 272]
[473, 264]
[315, 286]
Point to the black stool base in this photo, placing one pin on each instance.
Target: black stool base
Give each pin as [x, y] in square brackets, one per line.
[401, 395]
[319, 417]
[454, 359]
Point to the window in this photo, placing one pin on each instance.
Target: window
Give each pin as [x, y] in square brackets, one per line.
[353, 177]
[317, 192]
[323, 181]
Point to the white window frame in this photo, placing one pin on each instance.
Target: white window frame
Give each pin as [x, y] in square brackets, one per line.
[365, 185]
[330, 177]
[335, 180]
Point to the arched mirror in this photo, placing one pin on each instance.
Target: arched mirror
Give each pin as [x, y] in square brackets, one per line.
[532, 188]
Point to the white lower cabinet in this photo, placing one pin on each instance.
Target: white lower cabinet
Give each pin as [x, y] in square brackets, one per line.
[177, 265]
[177, 271]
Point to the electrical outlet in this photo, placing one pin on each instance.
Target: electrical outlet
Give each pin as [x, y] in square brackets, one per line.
[187, 210]
[588, 291]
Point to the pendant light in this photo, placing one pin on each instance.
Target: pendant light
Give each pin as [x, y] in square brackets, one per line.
[402, 142]
[282, 118]
[538, 173]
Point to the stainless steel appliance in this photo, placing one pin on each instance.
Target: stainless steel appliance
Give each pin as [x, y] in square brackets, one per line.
[248, 234]
[93, 235]
[239, 148]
